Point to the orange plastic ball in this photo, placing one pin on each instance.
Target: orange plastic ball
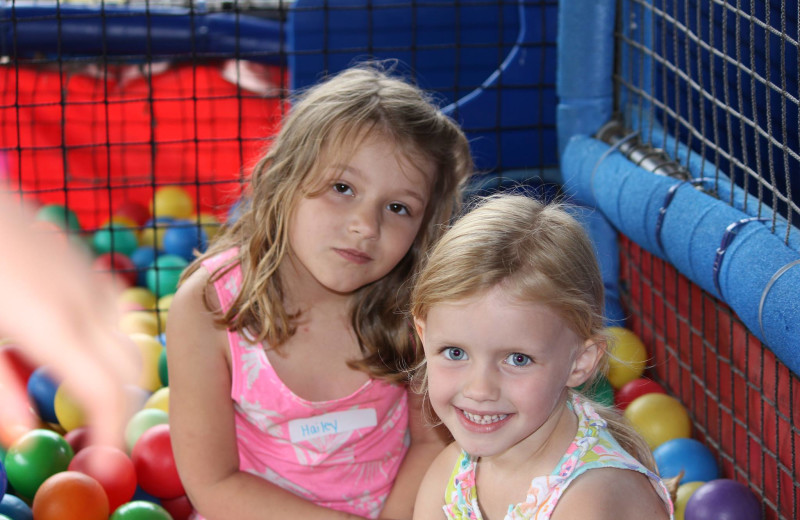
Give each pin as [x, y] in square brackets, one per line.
[70, 495]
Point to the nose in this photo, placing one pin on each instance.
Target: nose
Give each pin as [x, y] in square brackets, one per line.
[365, 220]
[481, 384]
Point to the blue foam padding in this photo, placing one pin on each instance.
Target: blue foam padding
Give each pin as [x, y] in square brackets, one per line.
[693, 229]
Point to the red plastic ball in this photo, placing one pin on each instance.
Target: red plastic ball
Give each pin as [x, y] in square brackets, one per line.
[70, 495]
[179, 508]
[155, 466]
[78, 438]
[133, 210]
[116, 266]
[636, 388]
[112, 468]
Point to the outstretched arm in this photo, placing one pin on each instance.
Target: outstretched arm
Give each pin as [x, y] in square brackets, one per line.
[62, 315]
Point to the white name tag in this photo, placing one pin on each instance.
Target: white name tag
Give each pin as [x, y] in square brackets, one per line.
[331, 424]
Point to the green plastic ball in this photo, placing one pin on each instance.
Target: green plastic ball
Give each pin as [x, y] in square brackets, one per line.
[113, 238]
[163, 274]
[35, 457]
[162, 368]
[140, 510]
[599, 391]
[59, 215]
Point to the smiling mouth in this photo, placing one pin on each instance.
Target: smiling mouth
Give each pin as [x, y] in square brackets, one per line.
[483, 419]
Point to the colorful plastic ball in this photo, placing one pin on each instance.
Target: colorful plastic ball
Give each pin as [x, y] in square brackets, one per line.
[210, 223]
[42, 388]
[659, 418]
[60, 215]
[682, 496]
[172, 201]
[142, 421]
[163, 274]
[179, 508]
[688, 455]
[137, 298]
[70, 495]
[636, 388]
[113, 469]
[35, 457]
[78, 438]
[183, 237]
[723, 499]
[115, 238]
[599, 390]
[152, 233]
[15, 508]
[3, 478]
[142, 258]
[135, 211]
[627, 358]
[156, 471]
[163, 371]
[159, 399]
[140, 510]
[69, 413]
[150, 351]
[117, 267]
[139, 322]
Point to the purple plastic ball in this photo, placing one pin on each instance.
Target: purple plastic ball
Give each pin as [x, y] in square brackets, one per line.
[723, 499]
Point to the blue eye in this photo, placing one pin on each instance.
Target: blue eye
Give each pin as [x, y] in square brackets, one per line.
[518, 360]
[342, 188]
[454, 353]
[396, 207]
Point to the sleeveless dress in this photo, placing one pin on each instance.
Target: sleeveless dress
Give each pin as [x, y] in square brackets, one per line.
[343, 454]
[593, 447]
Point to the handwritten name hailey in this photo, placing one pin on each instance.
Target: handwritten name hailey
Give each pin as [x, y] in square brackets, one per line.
[320, 428]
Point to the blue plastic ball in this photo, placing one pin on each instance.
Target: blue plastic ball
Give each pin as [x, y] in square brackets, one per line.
[15, 508]
[183, 237]
[142, 257]
[42, 391]
[689, 455]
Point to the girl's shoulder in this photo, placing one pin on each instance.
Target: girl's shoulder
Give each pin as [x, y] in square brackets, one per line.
[621, 493]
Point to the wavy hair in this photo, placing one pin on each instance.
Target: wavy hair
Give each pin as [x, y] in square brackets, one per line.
[336, 115]
[538, 253]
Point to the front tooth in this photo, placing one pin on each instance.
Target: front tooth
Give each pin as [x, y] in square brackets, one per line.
[484, 419]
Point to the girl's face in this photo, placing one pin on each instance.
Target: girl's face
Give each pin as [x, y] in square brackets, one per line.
[364, 221]
[498, 371]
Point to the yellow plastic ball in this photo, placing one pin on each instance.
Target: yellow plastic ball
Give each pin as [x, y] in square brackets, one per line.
[139, 322]
[682, 495]
[627, 356]
[150, 350]
[159, 400]
[172, 201]
[68, 412]
[140, 296]
[152, 235]
[659, 418]
[209, 223]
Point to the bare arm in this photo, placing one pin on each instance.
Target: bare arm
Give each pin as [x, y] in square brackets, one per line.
[426, 443]
[62, 315]
[202, 422]
[430, 498]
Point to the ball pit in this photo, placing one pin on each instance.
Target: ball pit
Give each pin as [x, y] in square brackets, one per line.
[116, 474]
[35, 457]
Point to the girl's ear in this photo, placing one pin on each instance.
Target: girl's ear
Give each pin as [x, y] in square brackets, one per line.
[586, 361]
[419, 326]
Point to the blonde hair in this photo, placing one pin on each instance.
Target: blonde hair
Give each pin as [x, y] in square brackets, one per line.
[538, 253]
[335, 116]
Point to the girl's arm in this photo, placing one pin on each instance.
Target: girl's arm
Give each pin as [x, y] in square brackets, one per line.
[202, 421]
[430, 498]
[426, 443]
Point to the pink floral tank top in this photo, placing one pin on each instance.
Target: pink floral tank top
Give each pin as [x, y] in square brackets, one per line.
[593, 447]
[343, 454]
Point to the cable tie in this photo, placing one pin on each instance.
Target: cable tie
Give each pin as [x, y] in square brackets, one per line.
[730, 233]
[780, 272]
[667, 200]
